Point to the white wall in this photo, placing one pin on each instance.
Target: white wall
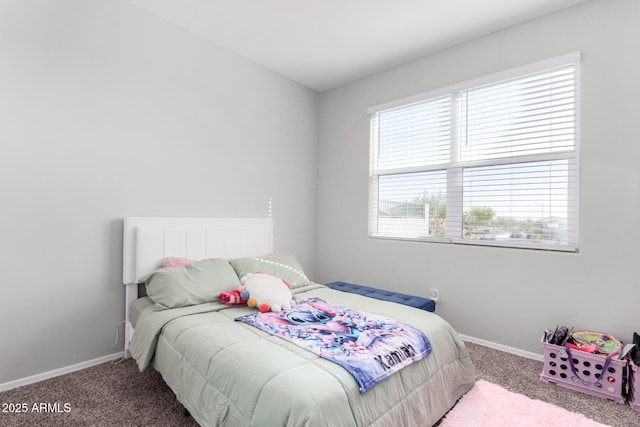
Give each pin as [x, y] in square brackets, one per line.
[107, 111]
[502, 295]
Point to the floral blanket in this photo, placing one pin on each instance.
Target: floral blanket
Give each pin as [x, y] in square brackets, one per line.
[368, 346]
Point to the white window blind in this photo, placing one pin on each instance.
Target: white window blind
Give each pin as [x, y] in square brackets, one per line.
[494, 161]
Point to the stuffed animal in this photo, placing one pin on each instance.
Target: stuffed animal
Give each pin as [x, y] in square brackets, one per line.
[266, 292]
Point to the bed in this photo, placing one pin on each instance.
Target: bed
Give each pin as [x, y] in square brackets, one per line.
[227, 373]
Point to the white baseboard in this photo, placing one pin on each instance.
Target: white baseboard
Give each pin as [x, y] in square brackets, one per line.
[57, 372]
[507, 349]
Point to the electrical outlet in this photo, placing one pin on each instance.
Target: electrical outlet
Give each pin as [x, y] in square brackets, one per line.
[434, 294]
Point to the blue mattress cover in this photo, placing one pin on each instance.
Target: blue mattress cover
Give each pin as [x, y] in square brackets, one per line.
[410, 300]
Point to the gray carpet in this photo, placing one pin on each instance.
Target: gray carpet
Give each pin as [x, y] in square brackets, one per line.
[119, 395]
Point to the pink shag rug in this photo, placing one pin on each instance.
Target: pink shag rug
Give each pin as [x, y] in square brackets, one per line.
[489, 405]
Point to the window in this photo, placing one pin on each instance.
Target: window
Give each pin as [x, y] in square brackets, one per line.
[493, 161]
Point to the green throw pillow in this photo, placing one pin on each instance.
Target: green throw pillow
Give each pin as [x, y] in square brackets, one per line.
[285, 267]
[194, 283]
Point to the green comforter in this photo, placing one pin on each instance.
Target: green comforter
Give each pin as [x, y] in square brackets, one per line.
[230, 374]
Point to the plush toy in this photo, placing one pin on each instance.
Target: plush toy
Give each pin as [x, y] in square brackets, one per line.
[266, 292]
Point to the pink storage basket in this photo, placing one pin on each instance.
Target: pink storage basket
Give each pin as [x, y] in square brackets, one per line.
[589, 373]
[634, 386]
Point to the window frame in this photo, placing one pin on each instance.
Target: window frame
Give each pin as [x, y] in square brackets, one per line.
[455, 167]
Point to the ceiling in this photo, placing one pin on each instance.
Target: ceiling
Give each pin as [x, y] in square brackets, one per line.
[324, 44]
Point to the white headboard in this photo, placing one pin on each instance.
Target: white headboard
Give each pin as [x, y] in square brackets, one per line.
[147, 241]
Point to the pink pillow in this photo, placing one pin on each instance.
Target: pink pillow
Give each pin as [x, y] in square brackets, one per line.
[179, 262]
[175, 262]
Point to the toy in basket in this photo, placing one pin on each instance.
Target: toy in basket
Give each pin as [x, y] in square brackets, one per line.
[585, 361]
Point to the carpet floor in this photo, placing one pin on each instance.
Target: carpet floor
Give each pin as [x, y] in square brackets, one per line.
[117, 394]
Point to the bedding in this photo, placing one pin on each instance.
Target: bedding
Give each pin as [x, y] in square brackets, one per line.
[283, 266]
[194, 283]
[137, 307]
[369, 347]
[230, 374]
